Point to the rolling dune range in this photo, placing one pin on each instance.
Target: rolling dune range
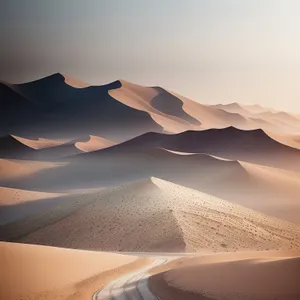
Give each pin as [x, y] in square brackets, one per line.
[122, 167]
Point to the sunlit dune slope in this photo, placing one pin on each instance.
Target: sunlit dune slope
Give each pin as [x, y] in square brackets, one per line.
[266, 189]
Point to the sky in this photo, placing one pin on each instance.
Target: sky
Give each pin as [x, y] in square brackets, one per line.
[212, 51]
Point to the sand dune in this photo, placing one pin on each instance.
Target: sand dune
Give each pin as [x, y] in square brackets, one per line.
[58, 107]
[39, 143]
[17, 203]
[36, 272]
[10, 147]
[169, 218]
[94, 143]
[251, 275]
[57, 110]
[253, 146]
[174, 112]
[141, 98]
[10, 196]
[265, 118]
[19, 148]
[51, 89]
[248, 184]
[234, 108]
[255, 108]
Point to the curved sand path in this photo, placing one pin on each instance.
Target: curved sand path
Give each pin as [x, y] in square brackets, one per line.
[133, 285]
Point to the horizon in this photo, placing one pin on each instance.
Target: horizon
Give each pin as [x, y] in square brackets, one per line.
[209, 51]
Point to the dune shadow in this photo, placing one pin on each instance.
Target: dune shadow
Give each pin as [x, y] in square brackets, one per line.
[24, 218]
[171, 105]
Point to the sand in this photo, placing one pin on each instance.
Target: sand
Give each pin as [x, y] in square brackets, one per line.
[94, 143]
[74, 82]
[39, 143]
[31, 272]
[249, 276]
[169, 218]
[11, 196]
[230, 182]
[18, 169]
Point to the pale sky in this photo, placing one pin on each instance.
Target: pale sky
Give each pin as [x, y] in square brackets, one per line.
[213, 51]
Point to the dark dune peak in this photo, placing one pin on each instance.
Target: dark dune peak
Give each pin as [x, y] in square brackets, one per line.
[93, 111]
[16, 111]
[65, 111]
[54, 89]
[171, 105]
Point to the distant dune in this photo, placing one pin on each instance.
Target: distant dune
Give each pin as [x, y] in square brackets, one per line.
[94, 143]
[10, 196]
[39, 143]
[264, 275]
[231, 143]
[36, 272]
[14, 147]
[59, 106]
[169, 217]
[16, 112]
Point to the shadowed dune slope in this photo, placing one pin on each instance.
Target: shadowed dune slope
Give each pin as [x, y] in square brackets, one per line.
[264, 275]
[171, 105]
[16, 111]
[16, 203]
[169, 217]
[253, 146]
[46, 91]
[14, 148]
[174, 112]
[111, 168]
[11, 169]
